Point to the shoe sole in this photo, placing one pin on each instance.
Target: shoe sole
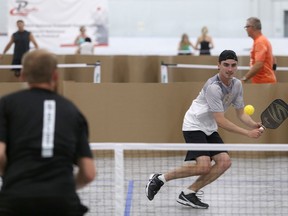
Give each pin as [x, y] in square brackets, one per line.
[185, 203]
[147, 186]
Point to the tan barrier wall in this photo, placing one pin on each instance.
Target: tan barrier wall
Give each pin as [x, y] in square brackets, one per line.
[6, 88]
[154, 112]
[282, 61]
[138, 112]
[141, 69]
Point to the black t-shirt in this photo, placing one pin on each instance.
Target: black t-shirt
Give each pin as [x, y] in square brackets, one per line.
[45, 134]
[21, 44]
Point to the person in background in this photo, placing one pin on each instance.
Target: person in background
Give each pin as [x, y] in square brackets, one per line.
[185, 46]
[42, 137]
[86, 48]
[262, 62]
[205, 42]
[200, 125]
[81, 37]
[21, 40]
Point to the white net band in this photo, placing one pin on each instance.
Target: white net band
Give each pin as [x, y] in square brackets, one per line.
[96, 66]
[165, 67]
[181, 146]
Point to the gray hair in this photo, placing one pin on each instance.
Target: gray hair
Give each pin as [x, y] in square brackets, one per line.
[255, 22]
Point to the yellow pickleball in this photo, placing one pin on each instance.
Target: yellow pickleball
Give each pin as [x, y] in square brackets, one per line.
[249, 109]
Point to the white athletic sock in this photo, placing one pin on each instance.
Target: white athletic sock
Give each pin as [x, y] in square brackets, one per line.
[187, 191]
[162, 178]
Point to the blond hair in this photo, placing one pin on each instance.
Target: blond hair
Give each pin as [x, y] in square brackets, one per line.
[204, 30]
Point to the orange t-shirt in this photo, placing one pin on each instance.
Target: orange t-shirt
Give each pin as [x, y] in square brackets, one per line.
[262, 52]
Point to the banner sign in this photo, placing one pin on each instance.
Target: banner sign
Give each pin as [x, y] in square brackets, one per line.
[56, 23]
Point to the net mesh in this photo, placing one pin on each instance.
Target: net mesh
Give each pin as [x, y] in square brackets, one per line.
[256, 183]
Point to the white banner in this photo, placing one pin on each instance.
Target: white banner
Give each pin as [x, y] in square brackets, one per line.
[56, 23]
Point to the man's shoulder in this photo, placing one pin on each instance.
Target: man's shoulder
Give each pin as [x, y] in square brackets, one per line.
[21, 34]
[214, 80]
[261, 39]
[15, 94]
[213, 85]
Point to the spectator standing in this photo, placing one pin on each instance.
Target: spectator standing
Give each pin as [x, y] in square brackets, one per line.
[262, 62]
[81, 37]
[205, 42]
[185, 45]
[86, 48]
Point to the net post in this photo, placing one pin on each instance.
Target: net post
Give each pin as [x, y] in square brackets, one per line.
[164, 73]
[119, 180]
[97, 73]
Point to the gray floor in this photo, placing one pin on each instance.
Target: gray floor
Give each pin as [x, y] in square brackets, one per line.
[252, 186]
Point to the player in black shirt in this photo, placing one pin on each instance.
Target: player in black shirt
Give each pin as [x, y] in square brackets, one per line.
[42, 136]
[21, 40]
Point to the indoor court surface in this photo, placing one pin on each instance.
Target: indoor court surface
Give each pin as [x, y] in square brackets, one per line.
[252, 186]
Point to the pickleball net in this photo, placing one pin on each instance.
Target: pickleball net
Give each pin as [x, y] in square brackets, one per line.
[168, 69]
[256, 183]
[95, 67]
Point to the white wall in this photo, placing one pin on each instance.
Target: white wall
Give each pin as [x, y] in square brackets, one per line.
[170, 18]
[3, 17]
[277, 23]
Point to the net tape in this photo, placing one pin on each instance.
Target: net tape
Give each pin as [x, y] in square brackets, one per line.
[96, 66]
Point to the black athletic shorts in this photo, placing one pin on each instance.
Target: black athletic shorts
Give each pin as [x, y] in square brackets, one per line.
[41, 206]
[201, 137]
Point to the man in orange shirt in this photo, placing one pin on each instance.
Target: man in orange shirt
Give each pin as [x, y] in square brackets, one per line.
[262, 62]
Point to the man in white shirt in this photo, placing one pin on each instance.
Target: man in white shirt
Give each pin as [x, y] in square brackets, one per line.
[86, 48]
[200, 125]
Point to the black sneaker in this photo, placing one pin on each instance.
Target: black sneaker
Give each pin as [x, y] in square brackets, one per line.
[153, 186]
[191, 200]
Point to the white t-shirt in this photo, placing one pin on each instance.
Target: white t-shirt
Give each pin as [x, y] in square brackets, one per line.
[86, 48]
[215, 96]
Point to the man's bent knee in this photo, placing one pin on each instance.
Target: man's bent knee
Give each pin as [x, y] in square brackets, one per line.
[223, 161]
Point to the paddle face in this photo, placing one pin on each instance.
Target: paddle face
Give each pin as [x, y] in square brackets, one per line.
[275, 114]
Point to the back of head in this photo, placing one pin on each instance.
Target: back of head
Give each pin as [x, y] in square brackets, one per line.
[38, 66]
[204, 30]
[87, 39]
[227, 54]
